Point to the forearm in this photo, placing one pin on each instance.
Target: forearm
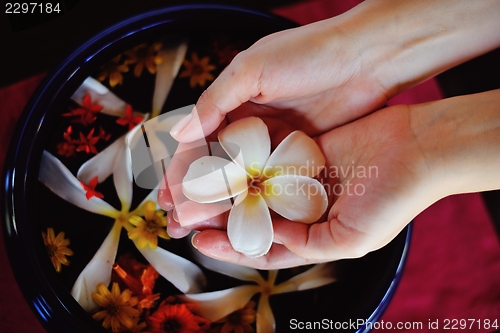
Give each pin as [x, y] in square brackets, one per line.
[460, 139]
[405, 42]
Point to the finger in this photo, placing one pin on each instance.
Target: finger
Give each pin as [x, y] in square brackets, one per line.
[174, 229]
[237, 83]
[215, 244]
[193, 215]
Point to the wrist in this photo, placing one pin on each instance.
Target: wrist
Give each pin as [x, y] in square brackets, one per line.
[403, 43]
[459, 139]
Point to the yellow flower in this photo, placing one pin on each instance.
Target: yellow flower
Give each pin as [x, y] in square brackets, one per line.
[147, 231]
[144, 56]
[239, 321]
[198, 70]
[57, 248]
[114, 70]
[118, 309]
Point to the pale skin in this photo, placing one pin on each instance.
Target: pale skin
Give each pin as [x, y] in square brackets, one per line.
[326, 79]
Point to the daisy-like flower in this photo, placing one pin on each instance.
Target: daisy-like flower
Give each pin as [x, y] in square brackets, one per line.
[281, 181]
[114, 70]
[219, 304]
[87, 112]
[137, 327]
[198, 70]
[57, 248]
[176, 318]
[144, 56]
[117, 308]
[147, 230]
[240, 321]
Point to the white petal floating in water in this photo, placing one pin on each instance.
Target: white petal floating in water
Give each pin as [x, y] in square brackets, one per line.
[317, 276]
[55, 175]
[182, 273]
[98, 270]
[265, 318]
[296, 198]
[218, 304]
[101, 95]
[173, 55]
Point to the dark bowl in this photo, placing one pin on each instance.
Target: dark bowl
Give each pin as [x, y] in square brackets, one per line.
[364, 287]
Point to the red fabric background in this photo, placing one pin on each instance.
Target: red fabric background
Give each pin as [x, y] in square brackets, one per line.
[453, 269]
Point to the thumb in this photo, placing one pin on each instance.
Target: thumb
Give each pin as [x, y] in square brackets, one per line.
[238, 83]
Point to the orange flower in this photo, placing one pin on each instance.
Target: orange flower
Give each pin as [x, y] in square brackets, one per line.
[144, 56]
[114, 70]
[176, 318]
[198, 70]
[117, 308]
[239, 321]
[57, 248]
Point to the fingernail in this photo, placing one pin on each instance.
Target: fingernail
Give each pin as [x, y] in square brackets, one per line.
[177, 128]
[175, 216]
[193, 239]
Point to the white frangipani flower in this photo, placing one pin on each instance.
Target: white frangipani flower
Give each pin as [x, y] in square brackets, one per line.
[218, 304]
[258, 179]
[183, 274]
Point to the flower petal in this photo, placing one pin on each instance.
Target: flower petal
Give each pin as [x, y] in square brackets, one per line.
[212, 179]
[167, 70]
[297, 198]
[249, 226]
[265, 318]
[247, 142]
[98, 270]
[183, 274]
[297, 154]
[317, 276]
[101, 165]
[243, 273]
[218, 304]
[61, 181]
[100, 94]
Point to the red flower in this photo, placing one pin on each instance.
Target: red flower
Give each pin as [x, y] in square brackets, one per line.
[129, 118]
[176, 318]
[87, 143]
[87, 112]
[139, 278]
[68, 147]
[90, 189]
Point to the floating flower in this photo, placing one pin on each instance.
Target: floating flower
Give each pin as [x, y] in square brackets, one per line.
[87, 112]
[137, 327]
[144, 56]
[87, 142]
[129, 119]
[176, 318]
[258, 180]
[66, 149]
[219, 304]
[57, 248]
[139, 278]
[147, 230]
[118, 308]
[116, 160]
[240, 321]
[198, 70]
[113, 70]
[90, 191]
